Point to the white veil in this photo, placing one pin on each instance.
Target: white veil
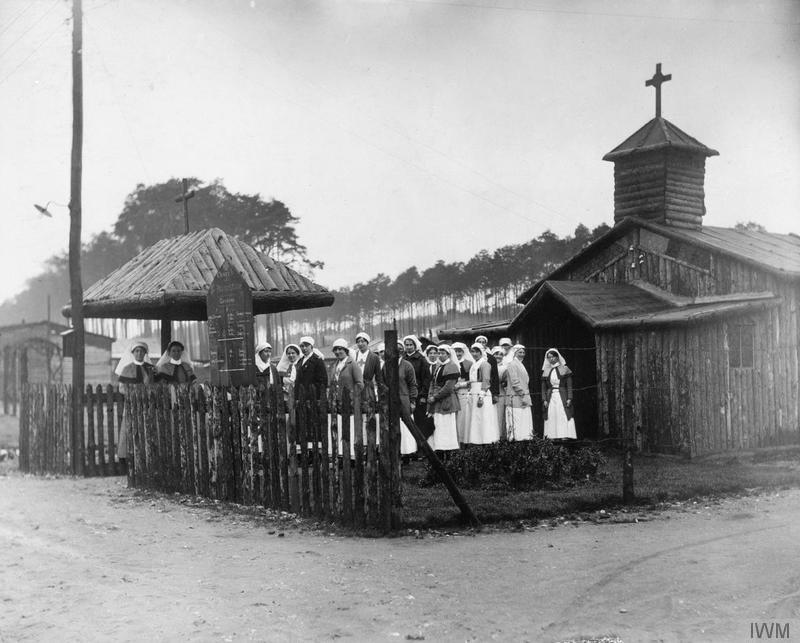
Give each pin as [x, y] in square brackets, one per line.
[127, 357]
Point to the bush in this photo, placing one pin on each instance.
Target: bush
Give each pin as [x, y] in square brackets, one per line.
[530, 464]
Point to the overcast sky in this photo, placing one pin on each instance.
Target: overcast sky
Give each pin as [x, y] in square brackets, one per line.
[400, 132]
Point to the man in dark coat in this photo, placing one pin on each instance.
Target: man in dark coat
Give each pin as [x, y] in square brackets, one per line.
[370, 365]
[311, 374]
[413, 355]
[409, 390]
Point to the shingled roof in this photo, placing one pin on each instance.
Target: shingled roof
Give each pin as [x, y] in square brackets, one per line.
[602, 305]
[658, 134]
[170, 280]
[492, 329]
[776, 253]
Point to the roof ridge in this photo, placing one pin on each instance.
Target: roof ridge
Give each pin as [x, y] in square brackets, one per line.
[663, 122]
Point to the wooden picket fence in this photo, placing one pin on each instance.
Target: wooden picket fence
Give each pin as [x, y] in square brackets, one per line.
[46, 428]
[247, 445]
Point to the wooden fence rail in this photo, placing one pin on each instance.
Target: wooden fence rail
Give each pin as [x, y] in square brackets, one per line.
[250, 445]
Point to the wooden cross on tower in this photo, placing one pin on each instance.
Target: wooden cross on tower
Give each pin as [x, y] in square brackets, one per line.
[656, 81]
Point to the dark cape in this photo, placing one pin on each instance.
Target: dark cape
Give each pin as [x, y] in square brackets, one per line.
[175, 373]
[136, 374]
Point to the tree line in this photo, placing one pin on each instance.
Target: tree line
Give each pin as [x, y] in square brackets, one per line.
[149, 214]
[483, 288]
[417, 300]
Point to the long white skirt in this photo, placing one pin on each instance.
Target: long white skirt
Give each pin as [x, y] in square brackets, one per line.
[445, 434]
[557, 426]
[462, 416]
[519, 423]
[482, 428]
[407, 442]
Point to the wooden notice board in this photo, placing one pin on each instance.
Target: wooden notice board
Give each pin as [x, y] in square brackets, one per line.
[231, 334]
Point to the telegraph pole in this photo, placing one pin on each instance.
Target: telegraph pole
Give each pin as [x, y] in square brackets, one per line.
[75, 285]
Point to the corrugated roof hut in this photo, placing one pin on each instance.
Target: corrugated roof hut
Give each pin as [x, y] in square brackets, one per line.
[170, 280]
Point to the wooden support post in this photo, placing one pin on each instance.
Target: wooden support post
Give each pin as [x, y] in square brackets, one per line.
[627, 478]
[166, 334]
[390, 437]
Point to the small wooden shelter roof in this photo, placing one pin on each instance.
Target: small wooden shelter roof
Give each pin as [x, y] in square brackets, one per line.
[658, 134]
[606, 306]
[170, 280]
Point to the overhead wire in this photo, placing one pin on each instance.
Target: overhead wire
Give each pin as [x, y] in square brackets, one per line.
[15, 18]
[25, 33]
[28, 57]
[574, 12]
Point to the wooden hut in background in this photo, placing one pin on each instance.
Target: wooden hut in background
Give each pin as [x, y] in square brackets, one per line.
[684, 338]
[170, 280]
[34, 352]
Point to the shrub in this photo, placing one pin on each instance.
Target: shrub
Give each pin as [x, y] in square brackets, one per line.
[530, 464]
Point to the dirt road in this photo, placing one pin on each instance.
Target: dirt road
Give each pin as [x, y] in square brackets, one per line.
[90, 560]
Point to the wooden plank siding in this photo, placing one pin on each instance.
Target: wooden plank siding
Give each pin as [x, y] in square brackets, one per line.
[673, 390]
[678, 392]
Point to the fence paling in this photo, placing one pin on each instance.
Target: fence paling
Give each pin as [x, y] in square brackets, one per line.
[268, 413]
[163, 440]
[228, 450]
[371, 470]
[335, 477]
[347, 468]
[292, 465]
[273, 446]
[232, 444]
[316, 456]
[244, 440]
[113, 466]
[101, 442]
[357, 479]
[187, 434]
[91, 446]
[201, 452]
[302, 438]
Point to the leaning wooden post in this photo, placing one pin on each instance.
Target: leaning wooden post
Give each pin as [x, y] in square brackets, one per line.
[440, 469]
